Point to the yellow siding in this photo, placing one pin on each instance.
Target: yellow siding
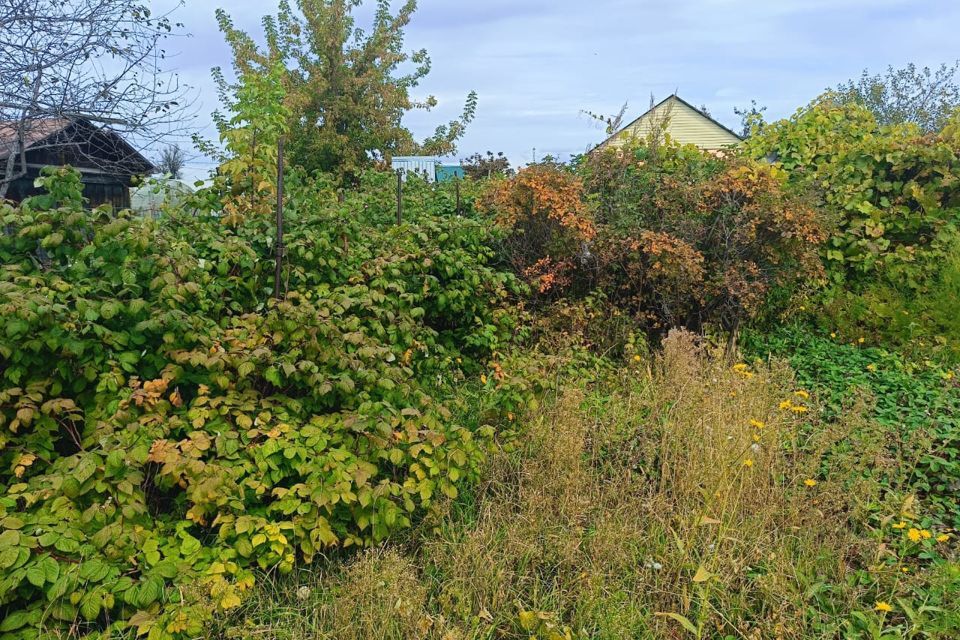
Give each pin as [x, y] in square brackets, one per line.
[683, 124]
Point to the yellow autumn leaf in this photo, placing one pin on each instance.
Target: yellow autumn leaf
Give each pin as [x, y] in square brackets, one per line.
[528, 620]
[230, 600]
[702, 575]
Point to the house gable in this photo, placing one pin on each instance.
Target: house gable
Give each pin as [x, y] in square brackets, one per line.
[681, 121]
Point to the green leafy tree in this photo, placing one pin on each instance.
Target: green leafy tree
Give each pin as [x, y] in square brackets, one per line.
[926, 97]
[168, 431]
[480, 166]
[892, 195]
[751, 118]
[345, 87]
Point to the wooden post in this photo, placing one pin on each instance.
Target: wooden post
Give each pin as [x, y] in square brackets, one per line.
[399, 197]
[278, 267]
[457, 182]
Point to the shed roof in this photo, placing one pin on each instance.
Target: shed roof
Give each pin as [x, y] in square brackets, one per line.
[41, 130]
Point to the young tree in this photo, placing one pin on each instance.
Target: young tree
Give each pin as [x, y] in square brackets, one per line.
[345, 90]
[99, 60]
[923, 96]
[248, 176]
[172, 161]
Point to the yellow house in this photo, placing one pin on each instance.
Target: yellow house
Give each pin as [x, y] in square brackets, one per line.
[683, 122]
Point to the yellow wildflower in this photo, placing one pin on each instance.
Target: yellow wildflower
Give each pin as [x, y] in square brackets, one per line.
[810, 482]
[871, 367]
[860, 340]
[900, 525]
[883, 606]
[756, 437]
[483, 379]
[798, 409]
[926, 535]
[943, 537]
[636, 358]
[914, 534]
[833, 335]
[748, 463]
[905, 569]
[740, 366]
[800, 393]
[948, 375]
[757, 424]
[786, 404]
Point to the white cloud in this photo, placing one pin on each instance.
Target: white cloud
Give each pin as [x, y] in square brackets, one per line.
[537, 63]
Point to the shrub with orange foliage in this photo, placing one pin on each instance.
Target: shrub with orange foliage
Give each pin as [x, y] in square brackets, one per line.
[548, 223]
[658, 277]
[687, 239]
[759, 237]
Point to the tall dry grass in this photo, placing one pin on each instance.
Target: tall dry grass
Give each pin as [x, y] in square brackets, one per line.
[683, 494]
[681, 504]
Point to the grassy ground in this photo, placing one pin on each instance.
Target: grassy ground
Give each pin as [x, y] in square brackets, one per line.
[681, 498]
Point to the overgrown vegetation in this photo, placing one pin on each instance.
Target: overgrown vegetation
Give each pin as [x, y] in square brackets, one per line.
[169, 427]
[675, 498]
[521, 411]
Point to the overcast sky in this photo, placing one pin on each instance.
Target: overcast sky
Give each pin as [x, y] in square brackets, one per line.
[537, 63]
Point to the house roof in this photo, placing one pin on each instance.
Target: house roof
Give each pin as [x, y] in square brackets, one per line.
[674, 98]
[42, 130]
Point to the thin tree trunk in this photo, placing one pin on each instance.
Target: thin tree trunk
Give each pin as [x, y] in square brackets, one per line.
[731, 350]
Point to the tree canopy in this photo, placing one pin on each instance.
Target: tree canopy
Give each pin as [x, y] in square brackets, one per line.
[348, 88]
[926, 97]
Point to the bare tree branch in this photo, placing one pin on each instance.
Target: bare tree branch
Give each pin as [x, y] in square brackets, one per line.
[99, 61]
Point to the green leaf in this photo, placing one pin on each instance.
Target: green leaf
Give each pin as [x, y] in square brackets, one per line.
[90, 606]
[36, 574]
[8, 557]
[150, 592]
[151, 551]
[63, 584]
[51, 568]
[16, 620]
[272, 376]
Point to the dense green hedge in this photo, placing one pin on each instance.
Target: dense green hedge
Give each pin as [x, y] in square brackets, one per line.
[166, 427]
[892, 194]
